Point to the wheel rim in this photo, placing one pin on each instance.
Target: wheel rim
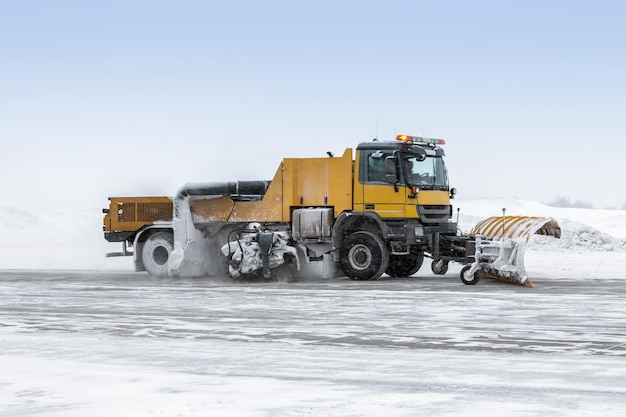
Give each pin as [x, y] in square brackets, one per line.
[360, 257]
[160, 255]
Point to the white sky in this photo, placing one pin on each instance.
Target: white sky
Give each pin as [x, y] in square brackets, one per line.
[139, 97]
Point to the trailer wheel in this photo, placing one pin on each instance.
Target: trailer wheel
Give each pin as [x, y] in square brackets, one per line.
[439, 267]
[405, 265]
[156, 252]
[364, 256]
[473, 280]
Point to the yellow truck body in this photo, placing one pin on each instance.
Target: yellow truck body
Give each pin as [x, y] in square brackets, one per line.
[370, 200]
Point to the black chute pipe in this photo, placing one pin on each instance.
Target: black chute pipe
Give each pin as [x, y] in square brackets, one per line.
[224, 189]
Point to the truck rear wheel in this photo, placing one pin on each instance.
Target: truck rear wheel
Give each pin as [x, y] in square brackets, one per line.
[405, 265]
[156, 252]
[364, 256]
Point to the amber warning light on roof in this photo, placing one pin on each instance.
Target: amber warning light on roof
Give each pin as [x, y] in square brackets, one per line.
[417, 139]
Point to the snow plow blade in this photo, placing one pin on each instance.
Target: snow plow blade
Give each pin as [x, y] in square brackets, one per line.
[501, 243]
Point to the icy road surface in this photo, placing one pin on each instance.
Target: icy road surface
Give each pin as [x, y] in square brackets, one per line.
[125, 344]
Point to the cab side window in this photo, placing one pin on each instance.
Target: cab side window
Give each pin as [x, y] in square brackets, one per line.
[376, 171]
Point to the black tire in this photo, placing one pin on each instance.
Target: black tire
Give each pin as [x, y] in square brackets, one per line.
[469, 281]
[405, 265]
[364, 256]
[156, 253]
[439, 267]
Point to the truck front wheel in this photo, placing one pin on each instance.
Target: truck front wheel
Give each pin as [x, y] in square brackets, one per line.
[156, 252]
[364, 256]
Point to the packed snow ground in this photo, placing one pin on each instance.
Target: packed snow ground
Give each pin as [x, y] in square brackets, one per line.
[124, 344]
[101, 340]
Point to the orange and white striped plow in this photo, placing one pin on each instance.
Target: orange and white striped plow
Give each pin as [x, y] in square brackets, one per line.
[501, 243]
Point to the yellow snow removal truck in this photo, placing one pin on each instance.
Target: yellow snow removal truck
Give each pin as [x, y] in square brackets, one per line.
[381, 212]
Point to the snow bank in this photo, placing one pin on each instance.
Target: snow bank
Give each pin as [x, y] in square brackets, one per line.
[73, 239]
[582, 230]
[578, 237]
[56, 239]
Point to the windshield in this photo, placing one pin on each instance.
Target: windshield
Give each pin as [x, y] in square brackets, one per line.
[428, 174]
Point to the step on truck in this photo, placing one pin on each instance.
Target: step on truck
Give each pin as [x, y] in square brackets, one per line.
[380, 209]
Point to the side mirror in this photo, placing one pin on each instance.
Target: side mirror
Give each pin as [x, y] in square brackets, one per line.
[391, 169]
[452, 192]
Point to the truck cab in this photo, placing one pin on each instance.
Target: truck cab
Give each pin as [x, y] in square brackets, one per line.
[401, 203]
[404, 179]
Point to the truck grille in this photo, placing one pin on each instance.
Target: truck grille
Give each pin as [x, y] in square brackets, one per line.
[434, 213]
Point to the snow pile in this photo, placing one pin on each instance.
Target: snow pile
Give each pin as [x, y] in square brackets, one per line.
[14, 219]
[578, 237]
[56, 239]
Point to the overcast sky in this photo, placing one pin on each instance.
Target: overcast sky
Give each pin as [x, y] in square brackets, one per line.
[111, 98]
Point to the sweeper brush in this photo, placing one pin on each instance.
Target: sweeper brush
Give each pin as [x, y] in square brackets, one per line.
[500, 243]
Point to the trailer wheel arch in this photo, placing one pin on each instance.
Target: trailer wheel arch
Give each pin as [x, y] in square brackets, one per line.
[142, 237]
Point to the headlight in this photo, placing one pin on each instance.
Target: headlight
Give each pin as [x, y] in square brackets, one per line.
[419, 231]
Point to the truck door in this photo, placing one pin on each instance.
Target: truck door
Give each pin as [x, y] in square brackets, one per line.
[378, 195]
